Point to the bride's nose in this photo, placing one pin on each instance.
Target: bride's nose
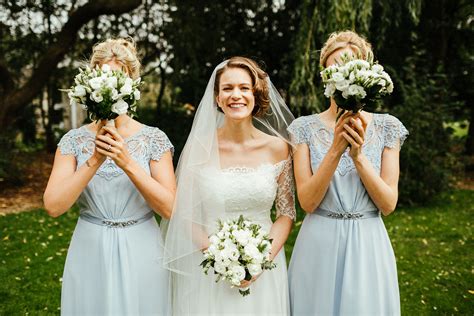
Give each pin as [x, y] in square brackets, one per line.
[236, 94]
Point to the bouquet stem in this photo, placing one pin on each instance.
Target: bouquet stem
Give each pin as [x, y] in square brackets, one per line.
[110, 123]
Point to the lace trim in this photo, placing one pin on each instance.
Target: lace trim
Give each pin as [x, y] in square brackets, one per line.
[285, 199]
[395, 132]
[149, 143]
[380, 132]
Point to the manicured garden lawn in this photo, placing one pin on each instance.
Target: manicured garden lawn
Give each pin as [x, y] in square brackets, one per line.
[433, 246]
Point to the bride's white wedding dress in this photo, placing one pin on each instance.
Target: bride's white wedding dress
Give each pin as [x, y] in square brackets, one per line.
[250, 192]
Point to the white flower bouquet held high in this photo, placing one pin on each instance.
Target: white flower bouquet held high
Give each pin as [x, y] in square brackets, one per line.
[105, 93]
[239, 251]
[356, 83]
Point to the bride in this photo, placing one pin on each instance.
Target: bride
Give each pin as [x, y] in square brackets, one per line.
[236, 162]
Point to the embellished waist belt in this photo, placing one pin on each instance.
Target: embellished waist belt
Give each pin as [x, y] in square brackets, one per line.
[347, 215]
[115, 223]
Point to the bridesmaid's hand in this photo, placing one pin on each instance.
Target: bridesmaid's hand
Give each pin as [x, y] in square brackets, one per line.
[113, 147]
[97, 157]
[354, 134]
[340, 143]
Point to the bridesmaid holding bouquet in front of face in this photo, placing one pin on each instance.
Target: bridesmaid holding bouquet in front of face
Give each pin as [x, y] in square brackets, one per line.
[120, 175]
[346, 172]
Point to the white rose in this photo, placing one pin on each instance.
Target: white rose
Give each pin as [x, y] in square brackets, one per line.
[114, 94]
[79, 91]
[342, 85]
[126, 89]
[213, 249]
[96, 96]
[105, 68]
[337, 77]
[238, 272]
[377, 68]
[214, 239]
[242, 236]
[254, 269]
[120, 107]
[95, 83]
[136, 94]
[329, 91]
[219, 267]
[111, 82]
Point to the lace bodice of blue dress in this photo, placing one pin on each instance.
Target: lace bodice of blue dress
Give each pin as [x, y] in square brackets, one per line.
[111, 194]
[384, 130]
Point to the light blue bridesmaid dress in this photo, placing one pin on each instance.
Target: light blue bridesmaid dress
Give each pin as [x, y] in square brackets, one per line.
[114, 263]
[343, 262]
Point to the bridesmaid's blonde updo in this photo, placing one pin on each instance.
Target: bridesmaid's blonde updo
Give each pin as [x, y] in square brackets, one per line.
[259, 82]
[339, 40]
[121, 50]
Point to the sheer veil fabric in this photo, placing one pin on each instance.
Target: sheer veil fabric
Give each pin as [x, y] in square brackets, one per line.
[196, 211]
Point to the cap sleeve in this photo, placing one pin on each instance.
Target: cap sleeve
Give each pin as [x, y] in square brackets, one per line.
[395, 132]
[298, 131]
[68, 143]
[159, 144]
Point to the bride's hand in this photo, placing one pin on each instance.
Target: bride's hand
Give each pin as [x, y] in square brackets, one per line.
[244, 284]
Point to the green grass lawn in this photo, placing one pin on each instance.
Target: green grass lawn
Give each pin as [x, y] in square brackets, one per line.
[432, 245]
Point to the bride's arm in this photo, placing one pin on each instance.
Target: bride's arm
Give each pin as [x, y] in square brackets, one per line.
[286, 211]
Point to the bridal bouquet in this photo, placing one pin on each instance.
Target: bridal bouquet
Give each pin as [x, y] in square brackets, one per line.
[237, 252]
[356, 83]
[105, 93]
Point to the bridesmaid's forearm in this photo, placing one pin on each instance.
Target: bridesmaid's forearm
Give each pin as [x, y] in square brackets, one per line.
[59, 199]
[279, 233]
[311, 193]
[157, 196]
[383, 196]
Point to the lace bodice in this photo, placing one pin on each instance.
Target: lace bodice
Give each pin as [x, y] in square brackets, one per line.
[252, 191]
[110, 194]
[149, 143]
[346, 192]
[383, 131]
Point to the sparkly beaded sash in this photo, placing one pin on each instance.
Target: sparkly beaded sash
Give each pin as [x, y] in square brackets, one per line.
[347, 215]
[116, 223]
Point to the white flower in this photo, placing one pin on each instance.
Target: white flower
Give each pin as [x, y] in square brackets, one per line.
[242, 236]
[254, 269]
[105, 68]
[120, 107]
[238, 271]
[114, 94]
[354, 90]
[136, 94]
[219, 267]
[342, 85]
[96, 96]
[213, 250]
[214, 239]
[111, 82]
[330, 89]
[79, 91]
[95, 83]
[338, 77]
[126, 89]
[377, 68]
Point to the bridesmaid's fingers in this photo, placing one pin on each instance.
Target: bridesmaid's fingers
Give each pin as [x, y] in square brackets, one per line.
[114, 133]
[354, 134]
[350, 140]
[105, 152]
[109, 140]
[106, 146]
[358, 125]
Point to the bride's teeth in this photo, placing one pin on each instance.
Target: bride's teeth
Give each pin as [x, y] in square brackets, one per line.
[236, 105]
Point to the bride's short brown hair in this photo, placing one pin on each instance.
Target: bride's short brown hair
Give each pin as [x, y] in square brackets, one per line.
[259, 82]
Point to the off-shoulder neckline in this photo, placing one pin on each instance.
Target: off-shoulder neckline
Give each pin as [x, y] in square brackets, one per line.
[247, 169]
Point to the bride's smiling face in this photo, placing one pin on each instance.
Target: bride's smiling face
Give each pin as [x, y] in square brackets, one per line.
[236, 98]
